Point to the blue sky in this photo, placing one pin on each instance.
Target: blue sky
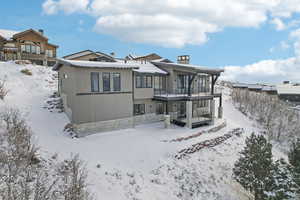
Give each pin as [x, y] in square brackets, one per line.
[235, 42]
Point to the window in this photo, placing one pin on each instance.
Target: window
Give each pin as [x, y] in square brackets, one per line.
[23, 48]
[33, 49]
[38, 50]
[106, 81]
[138, 81]
[181, 81]
[49, 53]
[117, 81]
[95, 82]
[149, 82]
[27, 48]
[143, 81]
[139, 109]
[159, 108]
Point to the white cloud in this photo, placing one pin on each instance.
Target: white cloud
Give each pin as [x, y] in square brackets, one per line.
[279, 24]
[175, 23]
[68, 6]
[268, 71]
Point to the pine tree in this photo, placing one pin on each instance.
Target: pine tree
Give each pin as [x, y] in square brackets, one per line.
[254, 167]
[294, 159]
[284, 186]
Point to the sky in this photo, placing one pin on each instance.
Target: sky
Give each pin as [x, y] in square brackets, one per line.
[253, 40]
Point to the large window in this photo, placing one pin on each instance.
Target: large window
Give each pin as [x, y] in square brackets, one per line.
[203, 84]
[95, 82]
[117, 81]
[106, 81]
[143, 81]
[27, 48]
[38, 50]
[23, 48]
[49, 53]
[139, 109]
[33, 49]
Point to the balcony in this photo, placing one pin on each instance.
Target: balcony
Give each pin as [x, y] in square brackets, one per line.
[183, 94]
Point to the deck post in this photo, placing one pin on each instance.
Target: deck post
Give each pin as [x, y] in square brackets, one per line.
[189, 113]
[213, 111]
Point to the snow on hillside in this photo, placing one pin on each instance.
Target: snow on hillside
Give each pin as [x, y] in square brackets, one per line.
[133, 163]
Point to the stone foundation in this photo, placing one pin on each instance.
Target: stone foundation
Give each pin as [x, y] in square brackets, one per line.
[117, 124]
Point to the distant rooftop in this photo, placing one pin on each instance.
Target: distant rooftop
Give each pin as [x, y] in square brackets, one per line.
[8, 34]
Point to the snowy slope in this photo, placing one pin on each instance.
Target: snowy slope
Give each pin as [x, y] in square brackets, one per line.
[133, 163]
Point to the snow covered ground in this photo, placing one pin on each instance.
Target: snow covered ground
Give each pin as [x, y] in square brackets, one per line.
[133, 163]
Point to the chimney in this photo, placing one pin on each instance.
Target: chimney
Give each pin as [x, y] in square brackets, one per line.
[184, 59]
[41, 31]
[112, 54]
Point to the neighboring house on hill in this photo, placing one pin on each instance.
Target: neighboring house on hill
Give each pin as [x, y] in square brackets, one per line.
[240, 86]
[89, 55]
[255, 87]
[289, 92]
[27, 45]
[148, 57]
[269, 89]
[104, 96]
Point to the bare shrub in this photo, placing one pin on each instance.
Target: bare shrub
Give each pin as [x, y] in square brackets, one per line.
[25, 175]
[281, 122]
[3, 90]
[26, 72]
[74, 176]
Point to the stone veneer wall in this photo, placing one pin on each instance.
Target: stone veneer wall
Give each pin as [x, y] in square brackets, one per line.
[67, 110]
[117, 124]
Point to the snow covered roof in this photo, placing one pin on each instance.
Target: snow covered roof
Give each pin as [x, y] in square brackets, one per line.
[78, 54]
[255, 86]
[192, 67]
[240, 85]
[269, 88]
[8, 34]
[94, 64]
[288, 89]
[137, 66]
[144, 67]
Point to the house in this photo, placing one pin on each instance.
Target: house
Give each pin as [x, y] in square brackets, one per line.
[27, 45]
[89, 55]
[289, 92]
[102, 96]
[269, 89]
[255, 87]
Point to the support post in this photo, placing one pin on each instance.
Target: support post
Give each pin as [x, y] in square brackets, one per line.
[220, 109]
[212, 111]
[189, 114]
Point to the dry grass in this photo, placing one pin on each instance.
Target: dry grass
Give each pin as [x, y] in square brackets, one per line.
[3, 90]
[26, 71]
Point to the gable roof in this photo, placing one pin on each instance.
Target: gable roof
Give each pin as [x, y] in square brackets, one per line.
[78, 54]
[135, 57]
[30, 30]
[10, 34]
[7, 34]
[85, 53]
